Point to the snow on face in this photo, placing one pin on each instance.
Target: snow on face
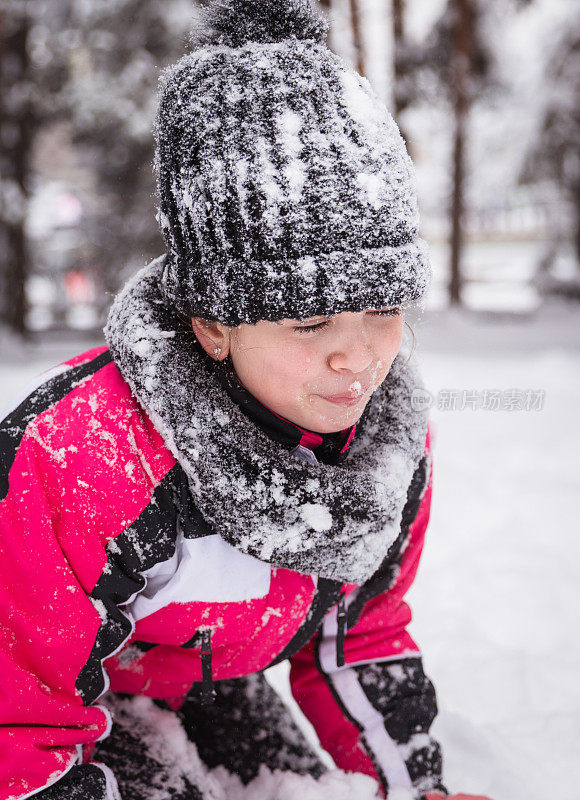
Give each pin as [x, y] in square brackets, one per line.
[293, 367]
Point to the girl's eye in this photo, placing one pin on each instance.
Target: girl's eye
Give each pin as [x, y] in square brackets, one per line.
[316, 327]
[387, 312]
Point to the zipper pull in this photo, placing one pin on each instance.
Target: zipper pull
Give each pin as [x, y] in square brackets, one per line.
[340, 631]
[207, 690]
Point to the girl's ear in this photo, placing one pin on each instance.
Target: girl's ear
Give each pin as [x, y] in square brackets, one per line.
[214, 337]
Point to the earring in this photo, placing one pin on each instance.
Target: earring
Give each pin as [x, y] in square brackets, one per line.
[217, 351]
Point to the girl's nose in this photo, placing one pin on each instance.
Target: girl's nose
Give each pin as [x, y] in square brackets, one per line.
[354, 355]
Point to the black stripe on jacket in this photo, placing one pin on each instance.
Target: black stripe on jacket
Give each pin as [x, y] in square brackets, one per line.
[386, 574]
[13, 427]
[82, 782]
[345, 711]
[149, 540]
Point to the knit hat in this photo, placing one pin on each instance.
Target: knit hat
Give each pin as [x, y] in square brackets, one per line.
[284, 186]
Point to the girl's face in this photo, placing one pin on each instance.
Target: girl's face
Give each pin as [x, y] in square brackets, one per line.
[318, 373]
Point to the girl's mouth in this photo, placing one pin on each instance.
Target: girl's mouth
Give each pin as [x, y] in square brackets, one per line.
[344, 399]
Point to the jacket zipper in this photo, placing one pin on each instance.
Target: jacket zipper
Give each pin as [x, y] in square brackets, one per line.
[207, 690]
[340, 630]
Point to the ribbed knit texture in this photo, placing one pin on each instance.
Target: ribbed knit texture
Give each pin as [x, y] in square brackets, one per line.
[285, 189]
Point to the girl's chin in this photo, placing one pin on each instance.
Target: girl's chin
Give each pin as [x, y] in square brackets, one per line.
[333, 419]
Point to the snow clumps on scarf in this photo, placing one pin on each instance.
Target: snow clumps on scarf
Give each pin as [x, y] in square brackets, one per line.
[337, 521]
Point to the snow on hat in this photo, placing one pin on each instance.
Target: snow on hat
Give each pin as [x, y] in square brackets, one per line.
[284, 186]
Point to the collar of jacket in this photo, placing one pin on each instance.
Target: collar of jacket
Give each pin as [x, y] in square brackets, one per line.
[334, 520]
[330, 448]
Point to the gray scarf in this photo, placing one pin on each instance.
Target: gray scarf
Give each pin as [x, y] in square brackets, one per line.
[337, 521]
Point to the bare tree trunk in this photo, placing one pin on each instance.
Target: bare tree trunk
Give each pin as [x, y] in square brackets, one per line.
[15, 143]
[577, 205]
[462, 56]
[398, 39]
[399, 92]
[457, 209]
[356, 36]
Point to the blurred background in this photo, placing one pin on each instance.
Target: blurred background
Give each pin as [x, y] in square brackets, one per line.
[487, 96]
[485, 93]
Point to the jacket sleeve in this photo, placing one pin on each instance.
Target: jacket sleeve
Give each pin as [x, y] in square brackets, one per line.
[48, 626]
[373, 714]
[57, 619]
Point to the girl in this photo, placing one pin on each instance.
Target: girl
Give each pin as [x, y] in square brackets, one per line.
[240, 477]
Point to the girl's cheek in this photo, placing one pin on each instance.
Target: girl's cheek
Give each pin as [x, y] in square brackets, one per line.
[388, 345]
[300, 358]
[311, 361]
[377, 374]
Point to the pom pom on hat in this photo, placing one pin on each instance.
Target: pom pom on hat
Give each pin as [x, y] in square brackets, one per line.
[234, 23]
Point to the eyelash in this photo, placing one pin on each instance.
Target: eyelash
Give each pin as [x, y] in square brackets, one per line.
[388, 312]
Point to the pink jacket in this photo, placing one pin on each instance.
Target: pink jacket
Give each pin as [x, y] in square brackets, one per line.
[110, 580]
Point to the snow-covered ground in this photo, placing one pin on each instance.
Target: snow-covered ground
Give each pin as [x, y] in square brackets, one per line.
[496, 603]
